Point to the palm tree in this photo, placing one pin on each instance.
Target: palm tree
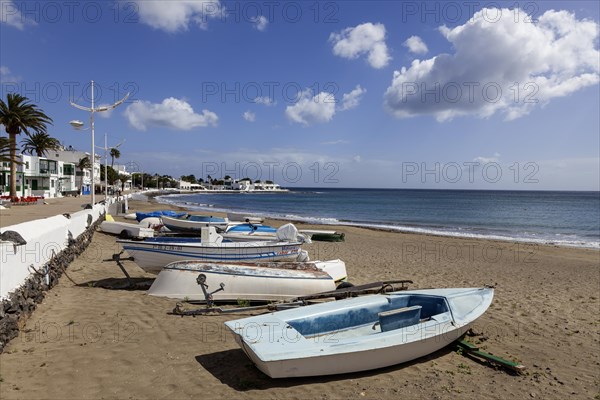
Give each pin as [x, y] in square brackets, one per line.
[40, 143]
[114, 153]
[4, 149]
[18, 115]
[84, 163]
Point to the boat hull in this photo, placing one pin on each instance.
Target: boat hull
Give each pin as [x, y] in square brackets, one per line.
[248, 281]
[184, 225]
[153, 256]
[126, 229]
[355, 361]
[359, 334]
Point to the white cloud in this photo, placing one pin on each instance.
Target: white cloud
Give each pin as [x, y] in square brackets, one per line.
[321, 108]
[10, 14]
[171, 113]
[333, 142]
[261, 23]
[267, 101]
[311, 109]
[416, 45]
[367, 38]
[486, 160]
[6, 76]
[357, 158]
[177, 15]
[249, 116]
[552, 57]
[352, 99]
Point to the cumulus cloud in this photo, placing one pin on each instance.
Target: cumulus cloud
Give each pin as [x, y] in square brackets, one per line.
[177, 15]
[367, 38]
[416, 45]
[10, 14]
[261, 23]
[499, 66]
[321, 107]
[486, 160]
[352, 99]
[170, 113]
[265, 100]
[249, 116]
[7, 76]
[311, 109]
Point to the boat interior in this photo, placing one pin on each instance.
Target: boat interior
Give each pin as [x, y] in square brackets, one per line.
[395, 312]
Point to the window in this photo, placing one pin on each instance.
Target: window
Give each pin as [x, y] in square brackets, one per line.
[69, 169]
[47, 167]
[26, 164]
[52, 183]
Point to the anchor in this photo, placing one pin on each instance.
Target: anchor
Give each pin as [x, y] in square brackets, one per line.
[201, 280]
[117, 259]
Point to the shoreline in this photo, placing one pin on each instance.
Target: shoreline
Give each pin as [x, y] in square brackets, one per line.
[384, 228]
[118, 343]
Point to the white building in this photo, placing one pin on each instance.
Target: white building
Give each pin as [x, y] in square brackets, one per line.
[83, 181]
[184, 185]
[125, 179]
[55, 175]
[40, 176]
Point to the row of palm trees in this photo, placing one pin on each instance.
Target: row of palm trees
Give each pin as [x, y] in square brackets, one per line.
[18, 115]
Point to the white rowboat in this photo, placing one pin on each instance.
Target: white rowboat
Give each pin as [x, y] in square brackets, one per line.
[262, 281]
[359, 334]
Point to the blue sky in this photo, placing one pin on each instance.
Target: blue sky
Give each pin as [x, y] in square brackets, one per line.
[308, 94]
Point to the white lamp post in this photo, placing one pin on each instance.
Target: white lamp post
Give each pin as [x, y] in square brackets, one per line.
[78, 125]
[106, 148]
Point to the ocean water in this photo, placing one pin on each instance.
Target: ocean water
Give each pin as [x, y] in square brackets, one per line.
[563, 218]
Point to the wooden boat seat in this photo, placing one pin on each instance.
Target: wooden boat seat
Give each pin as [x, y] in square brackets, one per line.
[399, 318]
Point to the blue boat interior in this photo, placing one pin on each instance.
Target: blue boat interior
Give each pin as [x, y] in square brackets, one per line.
[252, 227]
[399, 311]
[157, 214]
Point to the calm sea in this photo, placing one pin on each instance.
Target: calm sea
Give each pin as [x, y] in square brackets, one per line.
[564, 218]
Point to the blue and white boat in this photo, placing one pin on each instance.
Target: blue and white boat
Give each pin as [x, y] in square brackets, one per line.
[359, 334]
[139, 216]
[193, 223]
[249, 232]
[153, 254]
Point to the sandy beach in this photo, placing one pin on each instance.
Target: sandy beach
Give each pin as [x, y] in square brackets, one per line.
[87, 342]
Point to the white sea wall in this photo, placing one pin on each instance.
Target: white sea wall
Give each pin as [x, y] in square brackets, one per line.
[45, 238]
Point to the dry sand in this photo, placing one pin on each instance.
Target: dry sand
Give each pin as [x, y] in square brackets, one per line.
[88, 342]
[55, 206]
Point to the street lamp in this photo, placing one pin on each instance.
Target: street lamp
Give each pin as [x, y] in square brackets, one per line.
[106, 148]
[78, 125]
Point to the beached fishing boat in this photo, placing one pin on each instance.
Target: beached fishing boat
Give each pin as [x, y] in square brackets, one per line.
[193, 223]
[139, 216]
[245, 232]
[261, 281]
[249, 232]
[127, 230]
[237, 217]
[359, 334]
[153, 254]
